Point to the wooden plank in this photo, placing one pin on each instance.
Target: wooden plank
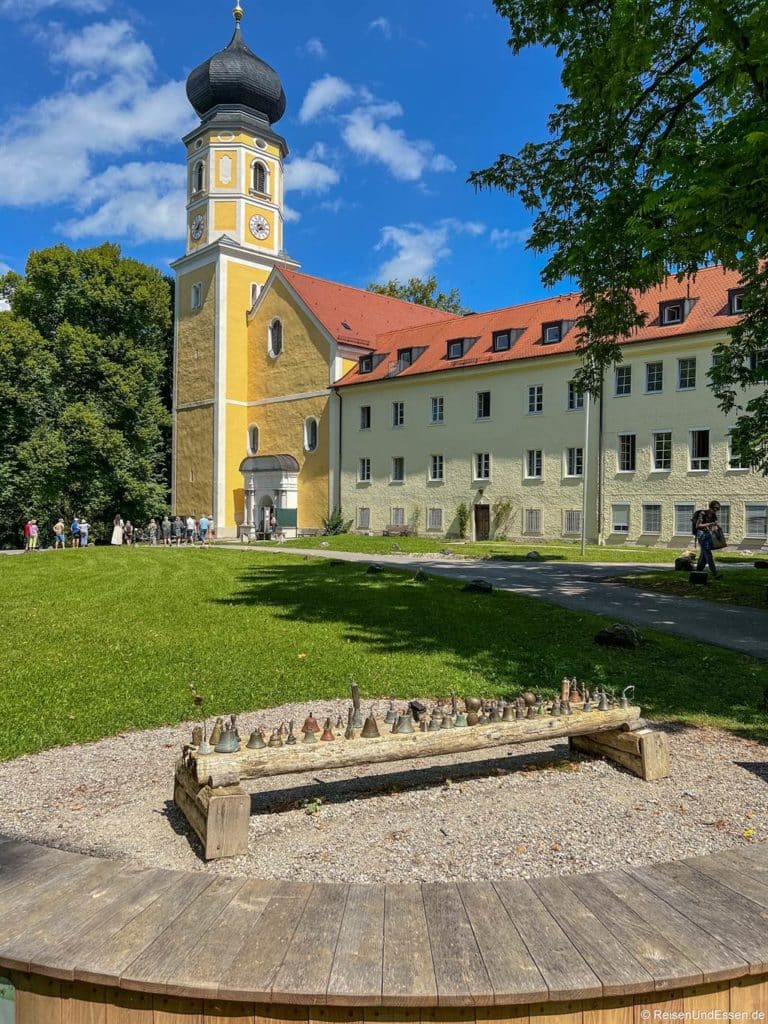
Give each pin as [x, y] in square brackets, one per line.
[667, 965]
[31, 896]
[613, 1010]
[252, 970]
[104, 956]
[304, 973]
[394, 1015]
[408, 974]
[335, 1015]
[462, 979]
[736, 877]
[38, 1000]
[21, 862]
[356, 974]
[619, 971]
[749, 995]
[257, 764]
[702, 999]
[733, 920]
[83, 1004]
[564, 1012]
[715, 960]
[517, 1014]
[129, 1007]
[172, 1010]
[559, 962]
[449, 1015]
[270, 1013]
[656, 1006]
[513, 973]
[217, 945]
[643, 752]
[160, 964]
[218, 1010]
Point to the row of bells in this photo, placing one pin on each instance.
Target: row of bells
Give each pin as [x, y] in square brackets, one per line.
[225, 739]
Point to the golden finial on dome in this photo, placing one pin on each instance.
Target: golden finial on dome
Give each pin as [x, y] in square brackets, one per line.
[237, 12]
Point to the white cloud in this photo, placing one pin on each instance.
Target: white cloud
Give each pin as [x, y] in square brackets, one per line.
[18, 8]
[4, 304]
[324, 94]
[505, 238]
[337, 205]
[381, 25]
[104, 48]
[142, 202]
[290, 216]
[315, 47]
[305, 175]
[368, 134]
[419, 248]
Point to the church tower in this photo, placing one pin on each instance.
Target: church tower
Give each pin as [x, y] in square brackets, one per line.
[234, 240]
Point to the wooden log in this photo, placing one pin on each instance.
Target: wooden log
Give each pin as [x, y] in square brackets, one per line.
[219, 816]
[304, 757]
[642, 752]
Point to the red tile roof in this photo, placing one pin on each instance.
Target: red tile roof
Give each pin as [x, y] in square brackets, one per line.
[366, 314]
[708, 292]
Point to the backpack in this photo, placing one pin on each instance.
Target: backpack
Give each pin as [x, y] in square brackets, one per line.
[696, 519]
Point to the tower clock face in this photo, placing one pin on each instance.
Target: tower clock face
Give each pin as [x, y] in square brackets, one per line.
[197, 227]
[259, 227]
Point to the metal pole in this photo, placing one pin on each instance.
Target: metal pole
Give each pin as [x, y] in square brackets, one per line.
[585, 477]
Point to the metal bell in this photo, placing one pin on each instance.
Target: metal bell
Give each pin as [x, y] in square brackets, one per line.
[473, 718]
[349, 732]
[290, 738]
[205, 747]
[556, 709]
[228, 742]
[233, 725]
[586, 706]
[370, 728]
[508, 715]
[519, 709]
[531, 712]
[494, 715]
[603, 704]
[626, 696]
[216, 732]
[434, 723]
[339, 722]
[310, 737]
[275, 740]
[328, 731]
[473, 704]
[447, 722]
[567, 710]
[423, 725]
[404, 725]
[197, 736]
[461, 721]
[575, 696]
[256, 742]
[391, 716]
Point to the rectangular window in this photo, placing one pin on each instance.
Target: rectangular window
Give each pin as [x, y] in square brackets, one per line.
[197, 296]
[536, 398]
[456, 349]
[501, 341]
[654, 378]
[627, 454]
[438, 409]
[398, 469]
[574, 461]
[436, 467]
[398, 414]
[699, 449]
[661, 450]
[365, 417]
[736, 301]
[363, 519]
[365, 364]
[404, 357]
[683, 517]
[735, 460]
[651, 518]
[724, 518]
[364, 471]
[398, 517]
[623, 380]
[620, 518]
[552, 333]
[533, 464]
[575, 398]
[434, 519]
[758, 363]
[672, 313]
[483, 466]
[533, 520]
[717, 358]
[686, 374]
[756, 517]
[483, 405]
[572, 521]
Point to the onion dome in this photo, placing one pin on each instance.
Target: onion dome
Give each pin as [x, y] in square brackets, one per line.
[235, 76]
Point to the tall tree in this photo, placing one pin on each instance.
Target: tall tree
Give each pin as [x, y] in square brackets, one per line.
[656, 162]
[422, 291]
[84, 353]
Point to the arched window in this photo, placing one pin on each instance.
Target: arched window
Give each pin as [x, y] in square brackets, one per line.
[259, 177]
[310, 434]
[253, 439]
[275, 338]
[199, 176]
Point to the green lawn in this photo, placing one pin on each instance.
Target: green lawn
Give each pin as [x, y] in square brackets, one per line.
[101, 641]
[736, 586]
[497, 549]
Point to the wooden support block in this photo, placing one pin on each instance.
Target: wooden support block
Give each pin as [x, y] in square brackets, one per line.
[218, 815]
[642, 752]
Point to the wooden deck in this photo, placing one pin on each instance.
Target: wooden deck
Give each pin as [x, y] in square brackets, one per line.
[476, 945]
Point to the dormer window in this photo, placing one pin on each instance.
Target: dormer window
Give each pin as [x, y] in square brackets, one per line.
[258, 177]
[199, 176]
[404, 357]
[502, 341]
[735, 301]
[554, 331]
[365, 364]
[672, 313]
[456, 348]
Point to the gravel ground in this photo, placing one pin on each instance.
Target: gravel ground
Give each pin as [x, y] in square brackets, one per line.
[530, 812]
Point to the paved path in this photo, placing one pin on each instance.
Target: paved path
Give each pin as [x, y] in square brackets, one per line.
[586, 586]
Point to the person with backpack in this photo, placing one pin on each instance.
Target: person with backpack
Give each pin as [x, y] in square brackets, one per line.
[708, 533]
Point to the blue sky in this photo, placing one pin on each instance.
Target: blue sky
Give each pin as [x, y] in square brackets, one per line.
[390, 106]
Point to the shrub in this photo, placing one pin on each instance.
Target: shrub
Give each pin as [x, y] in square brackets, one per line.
[335, 523]
[462, 518]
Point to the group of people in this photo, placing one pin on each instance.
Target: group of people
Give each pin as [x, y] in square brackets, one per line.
[79, 530]
[168, 532]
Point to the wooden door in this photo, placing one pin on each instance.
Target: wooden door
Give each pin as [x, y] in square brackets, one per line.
[482, 522]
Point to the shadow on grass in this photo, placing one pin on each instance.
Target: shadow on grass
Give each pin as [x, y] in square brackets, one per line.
[523, 558]
[501, 642]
